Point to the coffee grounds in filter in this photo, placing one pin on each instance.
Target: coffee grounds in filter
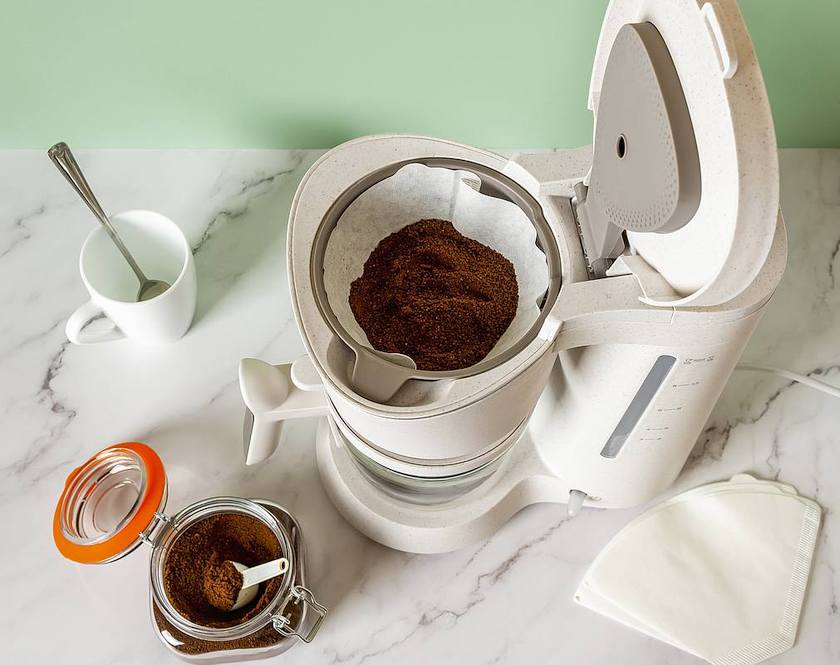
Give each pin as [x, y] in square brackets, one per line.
[431, 293]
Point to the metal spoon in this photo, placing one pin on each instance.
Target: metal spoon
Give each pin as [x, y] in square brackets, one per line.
[65, 162]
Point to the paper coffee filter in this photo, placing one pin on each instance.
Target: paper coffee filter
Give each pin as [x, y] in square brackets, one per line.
[418, 192]
[719, 571]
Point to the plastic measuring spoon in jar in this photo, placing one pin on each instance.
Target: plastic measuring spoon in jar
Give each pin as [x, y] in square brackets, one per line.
[251, 578]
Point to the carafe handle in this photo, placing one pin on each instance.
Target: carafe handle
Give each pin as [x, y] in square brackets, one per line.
[273, 394]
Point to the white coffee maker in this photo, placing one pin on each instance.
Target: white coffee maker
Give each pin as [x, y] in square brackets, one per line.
[663, 244]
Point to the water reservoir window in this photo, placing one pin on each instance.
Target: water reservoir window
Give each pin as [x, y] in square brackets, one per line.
[644, 396]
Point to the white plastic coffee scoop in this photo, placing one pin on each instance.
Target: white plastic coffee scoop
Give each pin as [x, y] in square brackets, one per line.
[719, 571]
[251, 578]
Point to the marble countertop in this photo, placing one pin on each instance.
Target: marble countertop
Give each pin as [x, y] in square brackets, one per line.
[505, 600]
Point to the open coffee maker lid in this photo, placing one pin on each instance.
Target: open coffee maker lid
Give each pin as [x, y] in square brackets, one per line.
[110, 503]
[684, 154]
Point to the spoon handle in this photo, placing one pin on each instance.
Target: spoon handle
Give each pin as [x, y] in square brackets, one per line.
[64, 161]
[263, 572]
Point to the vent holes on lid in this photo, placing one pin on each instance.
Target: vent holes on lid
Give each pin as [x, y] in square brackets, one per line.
[621, 146]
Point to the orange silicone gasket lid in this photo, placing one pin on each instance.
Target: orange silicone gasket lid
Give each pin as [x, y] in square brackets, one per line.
[127, 536]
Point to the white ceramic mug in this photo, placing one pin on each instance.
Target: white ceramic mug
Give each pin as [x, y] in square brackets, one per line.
[162, 251]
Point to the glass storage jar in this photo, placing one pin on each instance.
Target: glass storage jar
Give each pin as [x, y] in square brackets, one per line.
[114, 502]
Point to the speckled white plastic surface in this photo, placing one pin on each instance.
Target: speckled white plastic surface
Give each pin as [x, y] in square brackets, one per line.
[722, 249]
[607, 332]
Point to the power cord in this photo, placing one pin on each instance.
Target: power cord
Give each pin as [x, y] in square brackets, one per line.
[816, 384]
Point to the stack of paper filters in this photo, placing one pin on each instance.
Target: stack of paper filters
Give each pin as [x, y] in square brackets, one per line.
[719, 571]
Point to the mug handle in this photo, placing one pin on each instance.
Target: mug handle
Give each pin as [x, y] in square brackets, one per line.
[81, 317]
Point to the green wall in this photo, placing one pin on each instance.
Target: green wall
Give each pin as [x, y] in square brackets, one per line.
[311, 73]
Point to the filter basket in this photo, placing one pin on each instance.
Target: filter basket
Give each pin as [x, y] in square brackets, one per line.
[482, 204]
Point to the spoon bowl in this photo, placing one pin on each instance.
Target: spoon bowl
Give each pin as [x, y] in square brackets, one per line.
[151, 288]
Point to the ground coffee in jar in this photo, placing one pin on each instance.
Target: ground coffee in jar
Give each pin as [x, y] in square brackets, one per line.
[265, 637]
[222, 583]
[431, 293]
[198, 581]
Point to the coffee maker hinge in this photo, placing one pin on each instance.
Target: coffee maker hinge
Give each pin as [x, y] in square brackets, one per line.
[602, 242]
